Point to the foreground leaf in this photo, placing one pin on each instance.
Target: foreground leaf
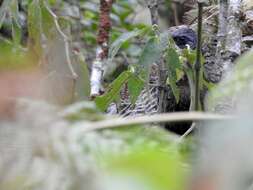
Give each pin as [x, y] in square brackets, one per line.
[173, 64]
[135, 86]
[112, 93]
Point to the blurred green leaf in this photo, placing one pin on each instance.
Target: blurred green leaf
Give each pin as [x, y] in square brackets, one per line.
[237, 82]
[162, 170]
[151, 53]
[83, 110]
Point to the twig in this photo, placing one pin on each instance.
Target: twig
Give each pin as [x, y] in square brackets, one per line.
[188, 132]
[66, 42]
[157, 118]
[175, 6]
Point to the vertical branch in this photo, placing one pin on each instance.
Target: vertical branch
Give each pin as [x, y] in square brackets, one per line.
[234, 35]
[175, 5]
[222, 29]
[153, 8]
[232, 48]
[102, 49]
[197, 65]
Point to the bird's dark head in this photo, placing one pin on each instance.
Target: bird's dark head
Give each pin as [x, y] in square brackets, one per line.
[183, 36]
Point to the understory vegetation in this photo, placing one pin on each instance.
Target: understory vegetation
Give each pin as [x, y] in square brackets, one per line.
[126, 94]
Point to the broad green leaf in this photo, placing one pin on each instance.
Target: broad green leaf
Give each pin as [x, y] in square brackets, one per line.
[151, 53]
[164, 40]
[135, 86]
[112, 93]
[173, 64]
[116, 45]
[173, 59]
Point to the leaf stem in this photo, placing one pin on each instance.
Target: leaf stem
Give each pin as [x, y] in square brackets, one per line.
[197, 66]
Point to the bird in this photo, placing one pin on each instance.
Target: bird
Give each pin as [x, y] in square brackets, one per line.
[183, 36]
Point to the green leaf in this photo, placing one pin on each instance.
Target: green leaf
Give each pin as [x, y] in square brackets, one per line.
[160, 170]
[190, 55]
[112, 93]
[164, 40]
[116, 45]
[151, 53]
[173, 64]
[135, 86]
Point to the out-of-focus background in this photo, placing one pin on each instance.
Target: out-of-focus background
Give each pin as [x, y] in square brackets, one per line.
[48, 122]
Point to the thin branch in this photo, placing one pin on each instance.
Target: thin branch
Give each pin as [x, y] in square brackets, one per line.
[187, 132]
[66, 42]
[175, 6]
[197, 66]
[149, 119]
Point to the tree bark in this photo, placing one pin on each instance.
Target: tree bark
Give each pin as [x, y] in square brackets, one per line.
[232, 49]
[102, 50]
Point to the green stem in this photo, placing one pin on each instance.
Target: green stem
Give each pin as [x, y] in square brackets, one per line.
[197, 65]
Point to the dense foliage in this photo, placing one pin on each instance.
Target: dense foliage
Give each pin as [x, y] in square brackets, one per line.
[53, 135]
